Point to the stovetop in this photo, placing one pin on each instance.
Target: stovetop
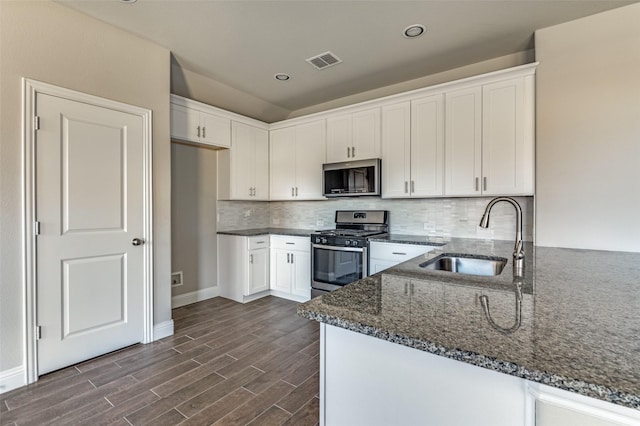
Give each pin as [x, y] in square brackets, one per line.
[362, 233]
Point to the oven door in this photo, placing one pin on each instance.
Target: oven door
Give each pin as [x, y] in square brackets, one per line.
[334, 267]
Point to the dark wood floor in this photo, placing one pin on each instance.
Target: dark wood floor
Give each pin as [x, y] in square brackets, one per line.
[226, 364]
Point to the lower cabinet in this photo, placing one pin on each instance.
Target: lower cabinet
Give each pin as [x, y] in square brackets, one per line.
[291, 267]
[243, 267]
[385, 255]
[254, 267]
[389, 384]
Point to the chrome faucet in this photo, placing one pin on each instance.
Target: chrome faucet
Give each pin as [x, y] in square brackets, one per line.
[518, 250]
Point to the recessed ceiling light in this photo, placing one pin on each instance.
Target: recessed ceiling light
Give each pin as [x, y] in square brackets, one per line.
[413, 31]
[282, 77]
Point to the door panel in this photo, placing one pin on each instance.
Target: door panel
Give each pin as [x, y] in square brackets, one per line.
[90, 204]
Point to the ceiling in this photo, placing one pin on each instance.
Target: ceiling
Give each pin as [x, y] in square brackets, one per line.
[243, 44]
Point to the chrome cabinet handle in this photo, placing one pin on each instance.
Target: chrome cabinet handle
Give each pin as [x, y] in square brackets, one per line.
[484, 183]
[137, 242]
[292, 192]
[348, 152]
[291, 257]
[251, 259]
[397, 252]
[204, 132]
[288, 258]
[296, 191]
[198, 131]
[477, 183]
[406, 187]
[413, 187]
[353, 151]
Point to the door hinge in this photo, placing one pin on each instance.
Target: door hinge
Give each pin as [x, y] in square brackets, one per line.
[38, 332]
[36, 228]
[36, 122]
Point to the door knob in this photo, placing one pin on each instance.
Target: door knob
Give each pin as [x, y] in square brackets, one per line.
[137, 241]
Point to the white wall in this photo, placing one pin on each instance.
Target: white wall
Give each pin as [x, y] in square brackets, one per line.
[48, 42]
[588, 132]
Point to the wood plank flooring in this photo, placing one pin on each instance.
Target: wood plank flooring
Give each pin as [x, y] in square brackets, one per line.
[226, 364]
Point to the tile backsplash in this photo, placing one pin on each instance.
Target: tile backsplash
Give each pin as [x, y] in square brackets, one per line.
[454, 217]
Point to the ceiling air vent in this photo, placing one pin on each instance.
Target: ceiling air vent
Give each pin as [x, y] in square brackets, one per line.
[324, 60]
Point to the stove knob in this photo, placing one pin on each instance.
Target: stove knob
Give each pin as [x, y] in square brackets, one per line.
[324, 240]
[347, 242]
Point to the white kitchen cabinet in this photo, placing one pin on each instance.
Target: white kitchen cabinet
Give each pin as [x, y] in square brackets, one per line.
[291, 267]
[296, 157]
[243, 170]
[385, 255]
[558, 407]
[353, 136]
[413, 148]
[243, 267]
[489, 144]
[508, 137]
[199, 123]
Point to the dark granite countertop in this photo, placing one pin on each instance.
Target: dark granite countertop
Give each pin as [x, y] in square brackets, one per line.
[266, 231]
[572, 320]
[411, 239]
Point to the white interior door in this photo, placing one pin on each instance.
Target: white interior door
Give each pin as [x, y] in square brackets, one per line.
[90, 206]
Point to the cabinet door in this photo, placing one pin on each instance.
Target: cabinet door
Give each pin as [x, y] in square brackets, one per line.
[261, 164]
[282, 155]
[258, 271]
[339, 138]
[242, 162]
[281, 271]
[507, 159]
[301, 283]
[396, 150]
[215, 130]
[310, 141]
[378, 265]
[463, 142]
[184, 123]
[427, 146]
[366, 134]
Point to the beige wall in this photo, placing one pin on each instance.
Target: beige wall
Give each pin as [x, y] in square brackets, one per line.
[588, 132]
[47, 42]
[490, 65]
[193, 217]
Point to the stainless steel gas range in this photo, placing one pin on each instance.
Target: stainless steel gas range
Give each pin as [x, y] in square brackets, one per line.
[339, 256]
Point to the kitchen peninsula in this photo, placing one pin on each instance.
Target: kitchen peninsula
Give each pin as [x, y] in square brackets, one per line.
[406, 344]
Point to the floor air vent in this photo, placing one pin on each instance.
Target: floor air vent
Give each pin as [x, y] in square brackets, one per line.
[324, 60]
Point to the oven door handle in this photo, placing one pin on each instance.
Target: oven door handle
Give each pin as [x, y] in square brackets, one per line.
[336, 248]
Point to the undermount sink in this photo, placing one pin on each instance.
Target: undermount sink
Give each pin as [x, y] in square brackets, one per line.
[468, 264]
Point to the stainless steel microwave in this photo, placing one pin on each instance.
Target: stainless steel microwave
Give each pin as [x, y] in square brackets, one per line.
[351, 178]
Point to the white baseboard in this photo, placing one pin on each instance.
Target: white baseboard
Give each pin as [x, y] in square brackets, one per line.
[162, 330]
[194, 296]
[12, 379]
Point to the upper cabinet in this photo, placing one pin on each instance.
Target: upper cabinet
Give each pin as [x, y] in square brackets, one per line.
[413, 148]
[195, 122]
[243, 170]
[296, 158]
[353, 136]
[489, 145]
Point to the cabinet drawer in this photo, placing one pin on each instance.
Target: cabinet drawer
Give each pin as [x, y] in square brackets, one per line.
[261, 241]
[290, 243]
[397, 252]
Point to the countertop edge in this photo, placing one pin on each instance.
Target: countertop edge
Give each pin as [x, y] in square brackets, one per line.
[592, 390]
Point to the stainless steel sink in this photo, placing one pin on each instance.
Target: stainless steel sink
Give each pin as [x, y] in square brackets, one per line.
[468, 264]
